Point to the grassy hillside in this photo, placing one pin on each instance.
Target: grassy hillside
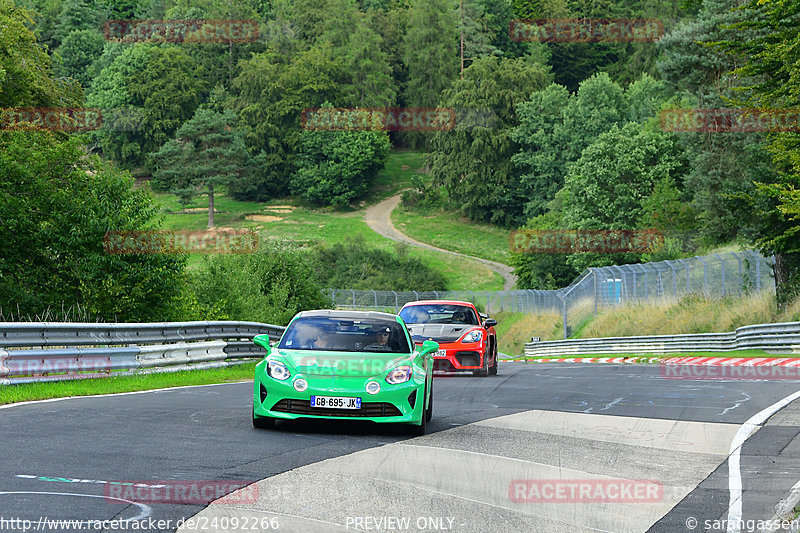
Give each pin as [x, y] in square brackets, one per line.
[286, 219]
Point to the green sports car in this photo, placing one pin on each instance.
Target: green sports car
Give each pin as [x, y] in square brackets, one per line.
[345, 365]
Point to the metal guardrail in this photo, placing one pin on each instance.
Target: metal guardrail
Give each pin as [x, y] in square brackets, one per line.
[778, 339]
[48, 351]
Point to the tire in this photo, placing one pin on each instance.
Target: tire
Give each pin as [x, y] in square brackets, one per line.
[419, 430]
[482, 373]
[493, 368]
[262, 422]
[429, 410]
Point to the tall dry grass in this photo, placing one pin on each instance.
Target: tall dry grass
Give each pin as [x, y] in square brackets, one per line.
[692, 314]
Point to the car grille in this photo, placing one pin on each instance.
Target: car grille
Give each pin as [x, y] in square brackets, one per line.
[468, 358]
[368, 409]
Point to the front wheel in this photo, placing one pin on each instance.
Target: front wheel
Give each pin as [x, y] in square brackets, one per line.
[493, 368]
[261, 422]
[429, 410]
[420, 430]
[483, 372]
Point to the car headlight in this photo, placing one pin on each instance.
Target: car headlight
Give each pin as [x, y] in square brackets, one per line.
[473, 336]
[401, 374]
[278, 370]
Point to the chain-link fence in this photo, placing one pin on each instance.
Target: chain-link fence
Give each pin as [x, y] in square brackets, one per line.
[714, 276]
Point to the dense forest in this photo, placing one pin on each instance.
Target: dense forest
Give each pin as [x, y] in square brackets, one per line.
[547, 134]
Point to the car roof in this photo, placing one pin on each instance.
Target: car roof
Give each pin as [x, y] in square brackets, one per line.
[446, 302]
[348, 315]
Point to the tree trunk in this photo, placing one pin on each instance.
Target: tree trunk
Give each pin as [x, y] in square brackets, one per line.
[210, 206]
[787, 278]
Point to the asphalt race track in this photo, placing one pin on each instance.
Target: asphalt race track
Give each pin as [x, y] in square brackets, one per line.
[533, 423]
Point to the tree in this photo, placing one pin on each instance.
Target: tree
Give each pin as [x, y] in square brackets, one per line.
[475, 35]
[430, 51]
[473, 162]
[555, 127]
[771, 75]
[371, 83]
[542, 157]
[78, 51]
[58, 206]
[78, 15]
[25, 76]
[206, 153]
[607, 187]
[336, 167]
[158, 83]
[270, 95]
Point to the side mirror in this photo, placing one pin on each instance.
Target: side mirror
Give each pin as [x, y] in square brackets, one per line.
[489, 323]
[429, 347]
[263, 341]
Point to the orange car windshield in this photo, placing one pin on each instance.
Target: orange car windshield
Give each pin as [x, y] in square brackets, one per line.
[439, 314]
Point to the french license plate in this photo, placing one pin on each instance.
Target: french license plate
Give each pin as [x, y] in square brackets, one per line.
[336, 402]
[441, 353]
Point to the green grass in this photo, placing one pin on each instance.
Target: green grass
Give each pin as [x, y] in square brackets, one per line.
[401, 166]
[323, 225]
[451, 232]
[111, 385]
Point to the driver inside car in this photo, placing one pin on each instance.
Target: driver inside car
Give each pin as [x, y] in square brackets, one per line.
[381, 339]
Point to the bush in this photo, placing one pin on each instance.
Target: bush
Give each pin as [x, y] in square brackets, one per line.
[270, 285]
[352, 265]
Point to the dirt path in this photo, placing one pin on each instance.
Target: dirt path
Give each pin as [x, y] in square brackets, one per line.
[379, 218]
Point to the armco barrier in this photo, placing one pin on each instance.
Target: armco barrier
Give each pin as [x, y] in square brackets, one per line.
[779, 339]
[49, 351]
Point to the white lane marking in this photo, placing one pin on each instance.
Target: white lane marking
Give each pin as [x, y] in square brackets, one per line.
[737, 404]
[612, 404]
[146, 510]
[734, 471]
[20, 404]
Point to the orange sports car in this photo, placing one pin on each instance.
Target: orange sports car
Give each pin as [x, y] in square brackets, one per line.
[467, 340]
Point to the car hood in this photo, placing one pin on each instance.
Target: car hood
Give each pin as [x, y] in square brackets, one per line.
[350, 364]
[438, 332]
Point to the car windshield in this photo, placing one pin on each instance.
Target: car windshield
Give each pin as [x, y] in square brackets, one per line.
[345, 335]
[439, 314]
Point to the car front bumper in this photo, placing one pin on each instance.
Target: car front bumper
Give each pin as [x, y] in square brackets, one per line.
[458, 357]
